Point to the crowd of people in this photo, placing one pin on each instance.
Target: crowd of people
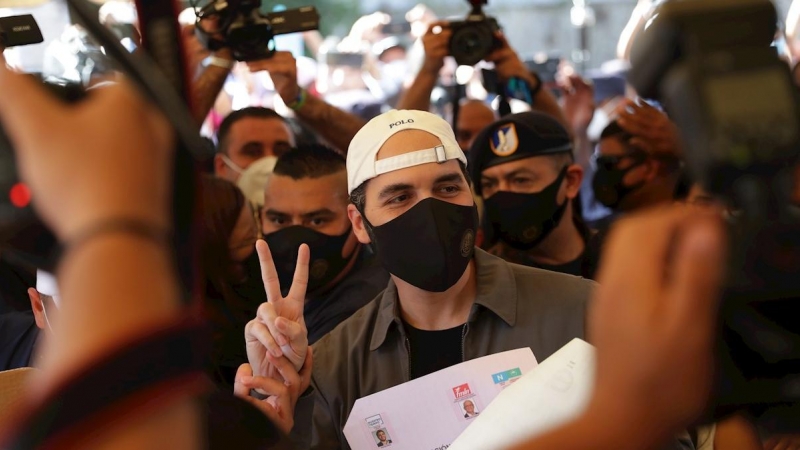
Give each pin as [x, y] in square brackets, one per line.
[358, 232]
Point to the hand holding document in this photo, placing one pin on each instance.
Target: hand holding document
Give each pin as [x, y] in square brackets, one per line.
[430, 412]
[556, 391]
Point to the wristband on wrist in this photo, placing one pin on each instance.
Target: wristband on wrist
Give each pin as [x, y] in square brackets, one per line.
[219, 62]
[538, 87]
[299, 101]
[120, 225]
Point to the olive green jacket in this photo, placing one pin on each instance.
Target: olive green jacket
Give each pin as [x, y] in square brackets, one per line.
[515, 307]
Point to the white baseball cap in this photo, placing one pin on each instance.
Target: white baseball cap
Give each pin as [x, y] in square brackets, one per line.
[46, 284]
[363, 151]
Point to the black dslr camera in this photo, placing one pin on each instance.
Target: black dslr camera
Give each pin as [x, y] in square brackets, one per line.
[248, 32]
[710, 63]
[473, 38]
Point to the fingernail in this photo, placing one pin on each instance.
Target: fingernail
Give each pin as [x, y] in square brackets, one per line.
[277, 353]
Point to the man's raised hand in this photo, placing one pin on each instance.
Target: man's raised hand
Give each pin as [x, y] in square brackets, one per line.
[279, 327]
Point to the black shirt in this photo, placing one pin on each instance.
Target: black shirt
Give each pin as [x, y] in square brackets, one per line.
[365, 281]
[18, 334]
[584, 265]
[430, 351]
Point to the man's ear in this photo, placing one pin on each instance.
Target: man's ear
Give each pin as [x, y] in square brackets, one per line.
[574, 180]
[38, 308]
[219, 165]
[654, 169]
[359, 228]
[221, 169]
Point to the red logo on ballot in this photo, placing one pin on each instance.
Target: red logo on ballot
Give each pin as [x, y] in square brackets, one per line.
[462, 391]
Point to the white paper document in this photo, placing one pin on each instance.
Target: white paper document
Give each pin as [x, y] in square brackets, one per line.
[430, 412]
[556, 391]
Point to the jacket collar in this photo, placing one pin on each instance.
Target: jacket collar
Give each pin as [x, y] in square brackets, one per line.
[496, 291]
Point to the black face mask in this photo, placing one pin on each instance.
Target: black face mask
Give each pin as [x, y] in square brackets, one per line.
[607, 183]
[430, 245]
[524, 220]
[326, 261]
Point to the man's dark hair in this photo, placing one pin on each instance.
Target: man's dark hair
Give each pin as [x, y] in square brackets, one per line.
[561, 160]
[359, 195]
[256, 112]
[615, 130]
[309, 161]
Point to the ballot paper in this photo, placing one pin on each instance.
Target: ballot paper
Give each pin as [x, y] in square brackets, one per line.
[430, 412]
[556, 391]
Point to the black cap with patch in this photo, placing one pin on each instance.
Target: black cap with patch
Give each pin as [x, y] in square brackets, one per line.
[515, 137]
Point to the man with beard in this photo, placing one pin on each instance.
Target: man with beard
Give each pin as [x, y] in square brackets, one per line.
[526, 174]
[305, 202]
[446, 302]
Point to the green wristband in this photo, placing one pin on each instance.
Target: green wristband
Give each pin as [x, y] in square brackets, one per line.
[298, 102]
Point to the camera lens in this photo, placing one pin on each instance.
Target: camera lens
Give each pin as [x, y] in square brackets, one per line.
[471, 44]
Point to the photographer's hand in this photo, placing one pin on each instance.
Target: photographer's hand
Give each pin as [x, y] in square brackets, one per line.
[58, 145]
[336, 126]
[577, 102]
[508, 65]
[652, 130]
[107, 158]
[436, 42]
[282, 68]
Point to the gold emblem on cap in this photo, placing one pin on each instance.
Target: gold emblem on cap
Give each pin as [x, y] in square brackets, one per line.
[504, 141]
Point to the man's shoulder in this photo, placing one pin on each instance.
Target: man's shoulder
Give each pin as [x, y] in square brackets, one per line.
[351, 334]
[532, 281]
[551, 296]
[527, 274]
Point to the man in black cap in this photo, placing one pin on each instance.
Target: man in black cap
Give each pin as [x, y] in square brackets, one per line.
[525, 172]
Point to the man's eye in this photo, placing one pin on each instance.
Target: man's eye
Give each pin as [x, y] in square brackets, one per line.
[318, 222]
[521, 181]
[278, 220]
[399, 199]
[450, 189]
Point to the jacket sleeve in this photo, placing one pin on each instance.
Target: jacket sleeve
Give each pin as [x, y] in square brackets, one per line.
[313, 425]
[324, 435]
[303, 411]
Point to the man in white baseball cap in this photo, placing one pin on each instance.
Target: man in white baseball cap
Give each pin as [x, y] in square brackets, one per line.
[446, 301]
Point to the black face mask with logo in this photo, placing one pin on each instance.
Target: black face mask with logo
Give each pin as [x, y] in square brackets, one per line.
[524, 220]
[326, 261]
[430, 245]
[607, 184]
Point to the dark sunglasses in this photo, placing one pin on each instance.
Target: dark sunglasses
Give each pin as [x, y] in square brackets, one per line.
[611, 162]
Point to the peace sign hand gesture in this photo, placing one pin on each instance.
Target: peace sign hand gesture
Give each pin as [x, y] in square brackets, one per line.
[279, 327]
